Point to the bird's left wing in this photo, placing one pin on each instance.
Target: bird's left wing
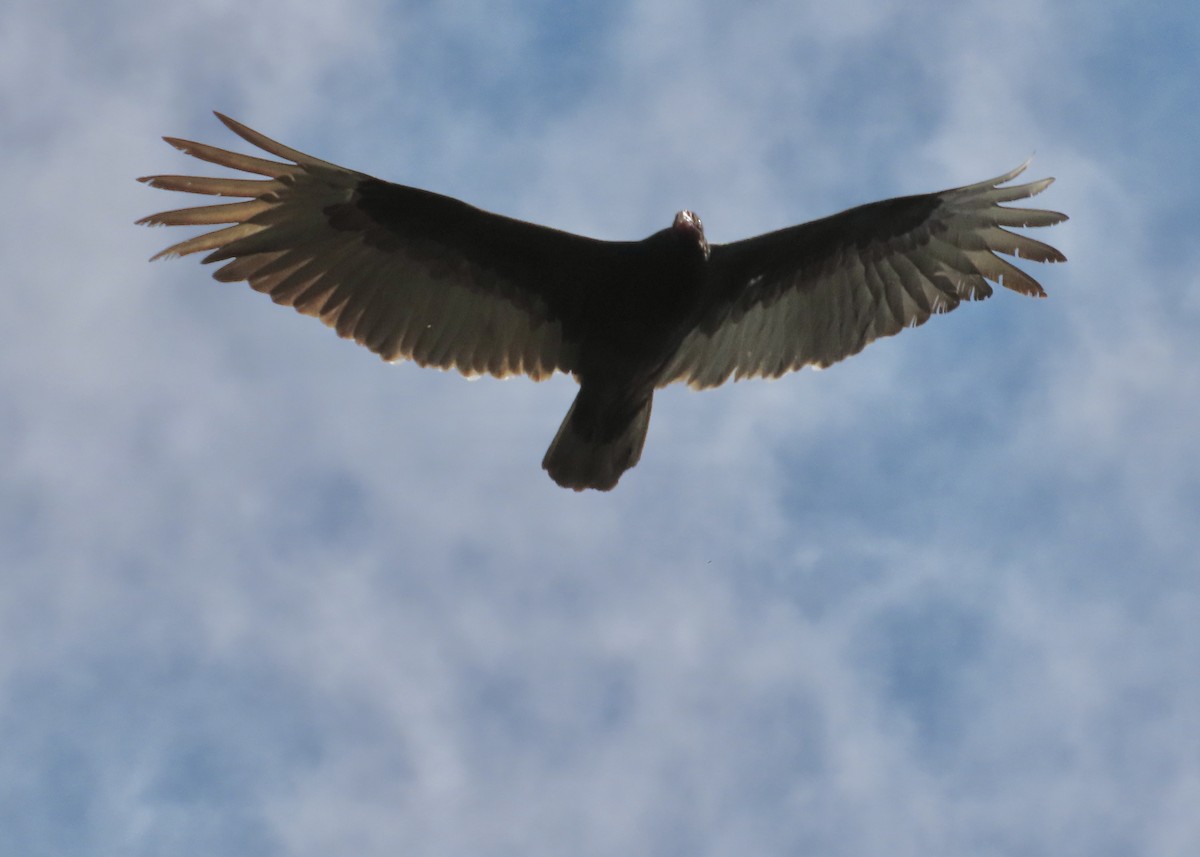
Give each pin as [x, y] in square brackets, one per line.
[405, 272]
[817, 293]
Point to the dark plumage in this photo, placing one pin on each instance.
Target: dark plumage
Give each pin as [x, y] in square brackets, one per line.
[412, 274]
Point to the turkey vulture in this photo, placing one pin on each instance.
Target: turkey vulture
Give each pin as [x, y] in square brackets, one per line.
[413, 274]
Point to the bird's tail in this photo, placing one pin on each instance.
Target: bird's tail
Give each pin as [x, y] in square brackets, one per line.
[595, 444]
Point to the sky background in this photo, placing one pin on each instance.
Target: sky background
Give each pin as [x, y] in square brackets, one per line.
[263, 594]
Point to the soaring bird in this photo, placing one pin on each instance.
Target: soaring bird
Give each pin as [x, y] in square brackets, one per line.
[415, 275]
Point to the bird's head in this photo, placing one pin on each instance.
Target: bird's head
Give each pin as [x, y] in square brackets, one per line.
[687, 225]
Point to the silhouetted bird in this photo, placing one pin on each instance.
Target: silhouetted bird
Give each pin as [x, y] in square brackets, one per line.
[412, 274]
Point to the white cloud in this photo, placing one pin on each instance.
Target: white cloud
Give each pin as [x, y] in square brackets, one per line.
[265, 594]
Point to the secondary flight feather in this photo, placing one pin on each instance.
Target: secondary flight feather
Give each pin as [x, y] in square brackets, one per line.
[415, 275]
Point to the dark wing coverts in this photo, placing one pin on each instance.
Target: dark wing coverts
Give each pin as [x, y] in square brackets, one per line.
[405, 272]
[820, 292]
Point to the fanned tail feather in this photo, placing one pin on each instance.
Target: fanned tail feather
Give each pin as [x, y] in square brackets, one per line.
[589, 451]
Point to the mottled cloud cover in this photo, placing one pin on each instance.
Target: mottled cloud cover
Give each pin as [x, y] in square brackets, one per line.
[262, 594]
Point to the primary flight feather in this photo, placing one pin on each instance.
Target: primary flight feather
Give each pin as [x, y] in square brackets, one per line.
[415, 275]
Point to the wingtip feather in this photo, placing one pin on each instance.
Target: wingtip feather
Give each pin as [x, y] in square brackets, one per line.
[1011, 174]
[273, 147]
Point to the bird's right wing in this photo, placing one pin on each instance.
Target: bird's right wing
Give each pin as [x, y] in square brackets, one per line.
[817, 293]
[405, 272]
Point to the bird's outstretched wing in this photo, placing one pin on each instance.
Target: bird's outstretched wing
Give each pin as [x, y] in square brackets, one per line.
[820, 292]
[405, 272]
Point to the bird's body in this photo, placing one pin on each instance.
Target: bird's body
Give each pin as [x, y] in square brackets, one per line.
[413, 274]
[638, 315]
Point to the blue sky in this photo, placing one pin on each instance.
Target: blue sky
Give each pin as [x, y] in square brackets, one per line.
[264, 594]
